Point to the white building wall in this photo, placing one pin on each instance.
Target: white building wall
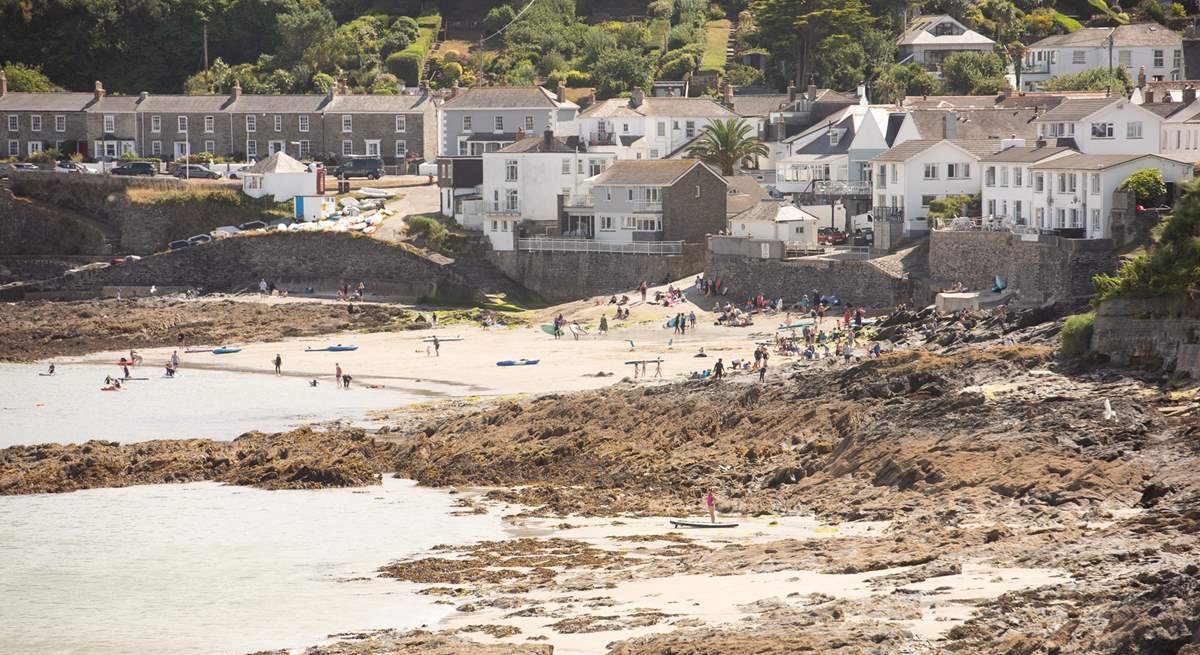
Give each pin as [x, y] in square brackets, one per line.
[1124, 139]
[1063, 61]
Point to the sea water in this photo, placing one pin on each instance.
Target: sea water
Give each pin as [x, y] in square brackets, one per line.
[206, 568]
[69, 407]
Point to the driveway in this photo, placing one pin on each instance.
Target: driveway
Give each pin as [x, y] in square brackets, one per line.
[423, 199]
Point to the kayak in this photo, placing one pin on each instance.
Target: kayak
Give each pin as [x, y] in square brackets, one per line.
[331, 349]
[517, 362]
[225, 350]
[681, 523]
[442, 339]
[794, 326]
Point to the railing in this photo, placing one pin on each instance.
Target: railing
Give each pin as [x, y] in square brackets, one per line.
[888, 214]
[503, 211]
[580, 200]
[589, 245]
[1035, 69]
[603, 139]
[842, 188]
[646, 205]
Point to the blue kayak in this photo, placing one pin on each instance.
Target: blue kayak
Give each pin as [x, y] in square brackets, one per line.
[225, 351]
[331, 349]
[517, 362]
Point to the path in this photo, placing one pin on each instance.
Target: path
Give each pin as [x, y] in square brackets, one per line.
[422, 199]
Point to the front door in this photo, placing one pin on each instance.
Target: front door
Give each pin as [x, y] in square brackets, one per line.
[274, 147]
[181, 149]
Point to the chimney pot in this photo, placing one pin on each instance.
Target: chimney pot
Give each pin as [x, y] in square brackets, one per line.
[99, 92]
[1149, 97]
[1189, 94]
[548, 139]
[636, 98]
[791, 92]
[949, 125]
[237, 89]
[812, 91]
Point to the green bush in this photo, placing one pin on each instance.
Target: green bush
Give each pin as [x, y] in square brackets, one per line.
[578, 79]
[1147, 184]
[1172, 265]
[405, 65]
[427, 229]
[1076, 335]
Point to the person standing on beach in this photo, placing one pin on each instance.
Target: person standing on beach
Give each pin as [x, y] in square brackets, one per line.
[337, 374]
[278, 361]
[174, 359]
[604, 325]
[642, 289]
[437, 346]
[719, 369]
[658, 368]
[262, 286]
[762, 371]
[712, 506]
[50, 371]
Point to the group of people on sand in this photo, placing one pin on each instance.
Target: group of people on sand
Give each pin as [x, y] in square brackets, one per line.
[670, 297]
[731, 316]
[613, 300]
[683, 321]
[709, 287]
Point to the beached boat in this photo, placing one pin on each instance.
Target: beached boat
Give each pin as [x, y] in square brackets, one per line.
[331, 349]
[371, 192]
[226, 350]
[517, 362]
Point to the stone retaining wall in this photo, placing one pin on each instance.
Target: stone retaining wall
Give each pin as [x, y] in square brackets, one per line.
[858, 282]
[1152, 333]
[565, 276]
[27, 228]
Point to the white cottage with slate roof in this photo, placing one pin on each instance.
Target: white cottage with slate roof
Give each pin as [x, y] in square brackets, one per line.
[1102, 126]
[910, 175]
[640, 127]
[1149, 46]
[487, 118]
[929, 40]
[281, 177]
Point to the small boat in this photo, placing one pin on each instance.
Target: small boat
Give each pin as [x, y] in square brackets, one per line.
[197, 350]
[517, 362]
[442, 339]
[226, 350]
[683, 523]
[332, 349]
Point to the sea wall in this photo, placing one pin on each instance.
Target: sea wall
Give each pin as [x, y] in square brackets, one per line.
[1150, 332]
[858, 282]
[292, 260]
[1044, 268]
[564, 276]
[28, 228]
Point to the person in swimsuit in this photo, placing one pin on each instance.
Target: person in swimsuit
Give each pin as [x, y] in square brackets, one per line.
[712, 506]
[51, 370]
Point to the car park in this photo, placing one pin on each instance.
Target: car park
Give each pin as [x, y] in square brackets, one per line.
[829, 236]
[368, 167]
[71, 167]
[135, 168]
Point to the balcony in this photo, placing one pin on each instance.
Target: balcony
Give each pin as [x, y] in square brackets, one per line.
[602, 139]
[502, 211]
[579, 201]
[589, 245]
[888, 214]
[645, 206]
[842, 188]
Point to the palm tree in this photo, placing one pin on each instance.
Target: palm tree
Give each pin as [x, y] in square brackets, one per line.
[725, 144]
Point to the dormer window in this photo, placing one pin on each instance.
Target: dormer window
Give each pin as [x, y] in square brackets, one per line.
[834, 137]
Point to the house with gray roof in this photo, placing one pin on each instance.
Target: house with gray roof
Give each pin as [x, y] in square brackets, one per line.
[647, 127]
[912, 174]
[1143, 46]
[929, 40]
[1113, 125]
[486, 118]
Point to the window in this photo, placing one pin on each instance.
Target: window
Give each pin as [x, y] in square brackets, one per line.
[302, 149]
[654, 153]
[1038, 182]
[608, 193]
[60, 123]
[251, 148]
[58, 146]
[579, 166]
[1102, 130]
[649, 223]
[1096, 221]
[628, 223]
[511, 200]
[253, 182]
[466, 124]
[1039, 217]
[529, 123]
[1177, 59]
[347, 148]
[1004, 208]
[510, 170]
[181, 124]
[629, 194]
[566, 167]
[595, 167]
[931, 170]
[895, 174]
[372, 147]
[401, 123]
[277, 123]
[156, 147]
[251, 123]
[989, 176]
[35, 123]
[991, 208]
[210, 124]
[303, 123]
[1078, 57]
[1062, 182]
[689, 129]
[401, 149]
[1125, 58]
[1074, 214]
[1017, 210]
[1003, 176]
[836, 135]
[625, 128]
[1133, 130]
[110, 124]
[210, 146]
[495, 203]
[1158, 59]
[1017, 173]
[958, 171]
[1071, 179]
[498, 124]
[1095, 183]
[347, 123]
[662, 128]
[1061, 216]
[13, 123]
[606, 223]
[156, 124]
[925, 200]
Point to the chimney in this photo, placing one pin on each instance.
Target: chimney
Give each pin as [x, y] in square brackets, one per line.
[637, 98]
[949, 125]
[591, 97]
[454, 89]
[561, 91]
[237, 90]
[1149, 97]
[3, 83]
[142, 96]
[548, 140]
[792, 92]
[99, 92]
[728, 94]
[862, 94]
[1189, 94]
[812, 91]
[1141, 77]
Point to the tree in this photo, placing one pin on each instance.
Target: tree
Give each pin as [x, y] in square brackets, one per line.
[946, 208]
[842, 62]
[1172, 265]
[899, 80]
[27, 78]
[1147, 185]
[498, 17]
[1093, 79]
[793, 29]
[973, 73]
[619, 71]
[726, 144]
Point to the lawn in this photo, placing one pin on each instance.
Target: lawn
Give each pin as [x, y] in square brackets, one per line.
[716, 40]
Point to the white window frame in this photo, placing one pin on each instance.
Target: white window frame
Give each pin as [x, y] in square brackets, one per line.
[1095, 183]
[302, 122]
[370, 145]
[156, 124]
[566, 167]
[210, 124]
[278, 122]
[1158, 58]
[511, 170]
[181, 124]
[401, 149]
[689, 129]
[302, 148]
[110, 124]
[931, 170]
[14, 123]
[347, 123]
[210, 146]
[466, 124]
[528, 123]
[156, 147]
[498, 123]
[1133, 130]
[35, 123]
[1102, 130]
[251, 123]
[251, 148]
[512, 200]
[1078, 57]
[347, 147]
[401, 123]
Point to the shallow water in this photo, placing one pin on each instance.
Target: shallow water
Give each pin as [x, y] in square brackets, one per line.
[205, 568]
[69, 407]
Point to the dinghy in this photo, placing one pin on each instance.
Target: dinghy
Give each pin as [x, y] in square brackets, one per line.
[226, 350]
[332, 349]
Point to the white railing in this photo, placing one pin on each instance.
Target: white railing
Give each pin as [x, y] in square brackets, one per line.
[842, 187]
[646, 205]
[579, 200]
[503, 211]
[590, 245]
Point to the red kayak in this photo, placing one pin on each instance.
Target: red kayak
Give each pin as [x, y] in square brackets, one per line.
[110, 388]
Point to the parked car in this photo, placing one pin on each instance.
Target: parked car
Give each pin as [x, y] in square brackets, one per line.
[253, 225]
[224, 231]
[135, 168]
[179, 245]
[828, 236]
[71, 167]
[198, 171]
[368, 167]
[200, 239]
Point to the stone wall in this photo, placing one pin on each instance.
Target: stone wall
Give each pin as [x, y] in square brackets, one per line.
[1150, 332]
[28, 228]
[564, 276]
[1043, 269]
[292, 260]
[858, 282]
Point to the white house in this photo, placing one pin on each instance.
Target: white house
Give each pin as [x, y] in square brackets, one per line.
[776, 220]
[1008, 182]
[280, 176]
[929, 40]
[1102, 126]
[913, 173]
[523, 182]
[640, 127]
[1145, 45]
[1077, 190]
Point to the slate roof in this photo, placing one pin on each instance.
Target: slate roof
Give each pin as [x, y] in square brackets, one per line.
[903, 152]
[379, 103]
[761, 105]
[1076, 109]
[997, 123]
[744, 193]
[502, 97]
[821, 145]
[1090, 162]
[1164, 109]
[289, 104]
[1025, 154]
[660, 106]
[917, 33]
[1124, 36]
[645, 171]
[114, 105]
[18, 101]
[182, 104]
[539, 144]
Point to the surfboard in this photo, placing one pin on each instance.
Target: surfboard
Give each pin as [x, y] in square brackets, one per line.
[127, 379]
[444, 339]
[671, 323]
[644, 361]
[548, 329]
[578, 329]
[681, 523]
[46, 375]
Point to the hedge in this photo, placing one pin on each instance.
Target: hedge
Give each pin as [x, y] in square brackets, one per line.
[407, 63]
[716, 40]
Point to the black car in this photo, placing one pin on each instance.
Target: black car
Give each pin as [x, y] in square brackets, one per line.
[253, 225]
[368, 167]
[135, 168]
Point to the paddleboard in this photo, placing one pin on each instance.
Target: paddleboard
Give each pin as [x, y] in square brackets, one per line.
[517, 362]
[127, 379]
[701, 524]
[46, 375]
[443, 339]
